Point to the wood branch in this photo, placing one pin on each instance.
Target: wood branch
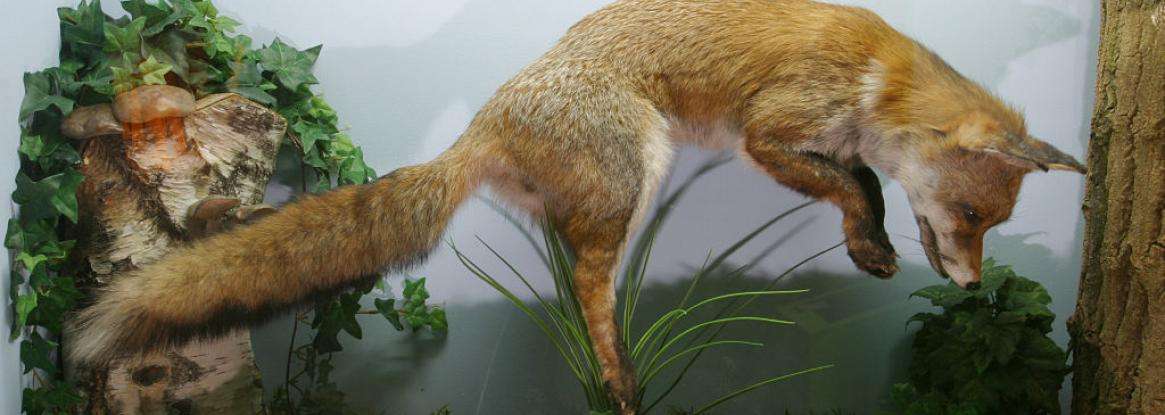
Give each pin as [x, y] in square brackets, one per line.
[1118, 330]
[139, 192]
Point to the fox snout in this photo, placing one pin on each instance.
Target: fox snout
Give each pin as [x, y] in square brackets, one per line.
[963, 269]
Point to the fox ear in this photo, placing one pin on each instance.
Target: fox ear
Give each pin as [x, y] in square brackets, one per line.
[1032, 153]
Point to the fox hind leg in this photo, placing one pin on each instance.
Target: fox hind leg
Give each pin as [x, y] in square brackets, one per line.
[597, 244]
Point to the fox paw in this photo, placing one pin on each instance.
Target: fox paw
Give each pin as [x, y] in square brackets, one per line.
[874, 255]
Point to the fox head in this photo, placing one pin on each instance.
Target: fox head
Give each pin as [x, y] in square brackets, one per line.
[963, 178]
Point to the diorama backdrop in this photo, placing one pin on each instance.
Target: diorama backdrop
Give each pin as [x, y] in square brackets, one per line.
[407, 76]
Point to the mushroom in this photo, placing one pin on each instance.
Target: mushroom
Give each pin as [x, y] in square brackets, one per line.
[151, 102]
[252, 213]
[214, 214]
[206, 217]
[92, 121]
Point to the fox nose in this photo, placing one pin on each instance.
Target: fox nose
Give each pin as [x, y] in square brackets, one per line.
[973, 285]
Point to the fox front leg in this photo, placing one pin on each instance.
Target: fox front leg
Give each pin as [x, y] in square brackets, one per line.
[872, 188]
[856, 193]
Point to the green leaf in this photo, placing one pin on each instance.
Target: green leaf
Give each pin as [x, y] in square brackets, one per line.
[56, 397]
[36, 353]
[225, 24]
[25, 303]
[153, 72]
[38, 95]
[56, 194]
[246, 80]
[437, 320]
[387, 308]
[309, 134]
[83, 31]
[124, 39]
[30, 262]
[169, 47]
[159, 15]
[31, 146]
[943, 295]
[353, 170]
[291, 67]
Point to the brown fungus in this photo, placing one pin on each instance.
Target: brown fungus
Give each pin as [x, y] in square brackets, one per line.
[151, 102]
[92, 121]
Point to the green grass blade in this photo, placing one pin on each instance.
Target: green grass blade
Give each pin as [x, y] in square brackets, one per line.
[646, 379]
[754, 386]
[509, 295]
[737, 245]
[716, 322]
[521, 227]
[733, 296]
[650, 333]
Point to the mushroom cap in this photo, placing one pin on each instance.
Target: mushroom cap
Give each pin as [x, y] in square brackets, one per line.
[91, 121]
[150, 102]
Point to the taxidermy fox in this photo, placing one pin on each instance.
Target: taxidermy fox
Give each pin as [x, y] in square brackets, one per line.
[813, 94]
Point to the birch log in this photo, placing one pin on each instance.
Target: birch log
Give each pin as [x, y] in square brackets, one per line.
[138, 191]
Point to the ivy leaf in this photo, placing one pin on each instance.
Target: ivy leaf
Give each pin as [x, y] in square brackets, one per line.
[38, 95]
[158, 15]
[291, 67]
[387, 308]
[321, 111]
[223, 23]
[65, 79]
[29, 235]
[153, 72]
[31, 146]
[30, 262]
[247, 80]
[437, 320]
[353, 170]
[127, 39]
[56, 397]
[56, 194]
[195, 16]
[350, 306]
[309, 134]
[83, 31]
[25, 303]
[169, 47]
[36, 353]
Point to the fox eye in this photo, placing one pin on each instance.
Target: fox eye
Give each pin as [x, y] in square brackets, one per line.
[969, 213]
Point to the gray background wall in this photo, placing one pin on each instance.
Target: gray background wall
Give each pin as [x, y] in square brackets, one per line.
[407, 76]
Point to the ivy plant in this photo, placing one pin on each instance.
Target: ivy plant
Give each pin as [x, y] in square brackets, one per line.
[987, 352]
[188, 44]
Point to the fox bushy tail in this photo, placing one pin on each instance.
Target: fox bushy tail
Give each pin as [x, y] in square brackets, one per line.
[316, 246]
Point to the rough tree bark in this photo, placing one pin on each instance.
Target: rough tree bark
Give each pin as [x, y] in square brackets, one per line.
[153, 186]
[1118, 331]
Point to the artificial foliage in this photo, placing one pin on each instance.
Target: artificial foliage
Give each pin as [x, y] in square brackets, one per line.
[188, 44]
[987, 352]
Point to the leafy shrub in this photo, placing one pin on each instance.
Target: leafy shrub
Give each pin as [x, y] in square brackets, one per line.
[988, 352]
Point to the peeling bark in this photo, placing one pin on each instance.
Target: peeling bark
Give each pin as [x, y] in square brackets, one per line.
[138, 191]
[1118, 330]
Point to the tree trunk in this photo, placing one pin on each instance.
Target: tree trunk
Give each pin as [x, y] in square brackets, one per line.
[1118, 331]
[152, 187]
